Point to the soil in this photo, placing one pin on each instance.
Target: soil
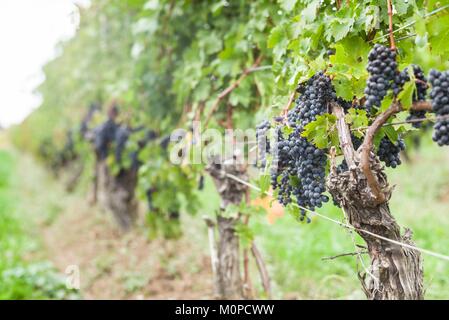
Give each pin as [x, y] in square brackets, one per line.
[125, 266]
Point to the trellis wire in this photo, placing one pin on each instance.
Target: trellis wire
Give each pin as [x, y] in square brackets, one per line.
[429, 14]
[405, 245]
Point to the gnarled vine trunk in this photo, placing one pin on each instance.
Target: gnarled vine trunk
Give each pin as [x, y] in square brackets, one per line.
[117, 193]
[363, 192]
[396, 271]
[228, 280]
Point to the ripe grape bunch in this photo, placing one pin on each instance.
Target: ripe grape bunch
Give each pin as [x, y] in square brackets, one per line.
[104, 135]
[121, 138]
[389, 152]
[419, 95]
[440, 105]
[382, 68]
[384, 75]
[298, 168]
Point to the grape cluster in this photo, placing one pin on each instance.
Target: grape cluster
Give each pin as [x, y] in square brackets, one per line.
[315, 95]
[400, 78]
[382, 68]
[263, 145]
[104, 135]
[419, 95]
[68, 152]
[282, 160]
[121, 137]
[389, 152]
[440, 105]
[298, 168]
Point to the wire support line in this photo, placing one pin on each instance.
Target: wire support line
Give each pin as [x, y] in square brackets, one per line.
[347, 226]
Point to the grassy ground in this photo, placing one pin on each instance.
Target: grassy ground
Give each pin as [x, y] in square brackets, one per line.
[20, 275]
[40, 222]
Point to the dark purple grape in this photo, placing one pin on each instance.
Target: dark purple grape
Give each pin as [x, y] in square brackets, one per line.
[440, 105]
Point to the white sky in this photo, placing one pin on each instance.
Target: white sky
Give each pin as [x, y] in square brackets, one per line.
[29, 32]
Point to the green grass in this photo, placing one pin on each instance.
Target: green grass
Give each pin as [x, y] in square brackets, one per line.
[21, 277]
[420, 201]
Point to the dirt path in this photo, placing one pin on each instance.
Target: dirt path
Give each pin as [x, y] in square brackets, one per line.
[111, 265]
[117, 266]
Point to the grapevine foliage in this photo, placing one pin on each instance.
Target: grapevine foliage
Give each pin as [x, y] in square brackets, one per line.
[198, 49]
[298, 166]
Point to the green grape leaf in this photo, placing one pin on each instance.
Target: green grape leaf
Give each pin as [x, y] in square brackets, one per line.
[371, 18]
[439, 33]
[309, 13]
[264, 183]
[406, 95]
[386, 103]
[288, 5]
[348, 67]
[401, 7]
[343, 86]
[339, 28]
[357, 119]
[245, 234]
[391, 133]
[278, 41]
[318, 132]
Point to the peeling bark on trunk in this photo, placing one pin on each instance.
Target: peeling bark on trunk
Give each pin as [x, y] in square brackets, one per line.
[397, 270]
[228, 280]
[118, 195]
[363, 192]
[229, 284]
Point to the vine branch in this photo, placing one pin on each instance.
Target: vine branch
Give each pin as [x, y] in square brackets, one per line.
[289, 103]
[344, 255]
[344, 135]
[421, 106]
[367, 144]
[262, 270]
[390, 22]
[229, 89]
[248, 286]
[367, 147]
